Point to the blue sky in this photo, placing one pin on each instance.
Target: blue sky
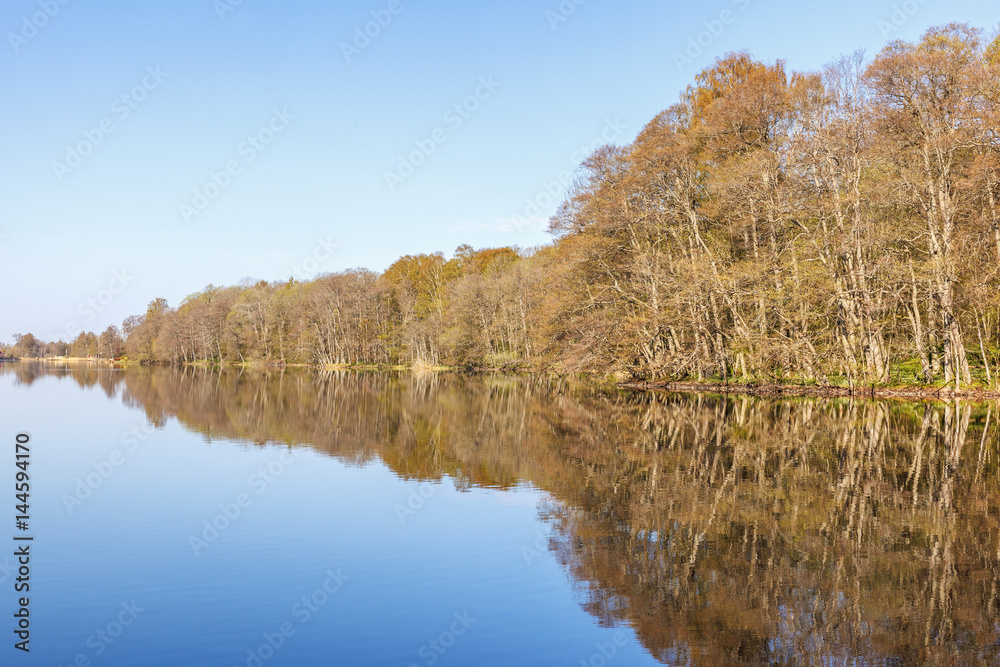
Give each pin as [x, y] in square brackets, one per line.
[151, 149]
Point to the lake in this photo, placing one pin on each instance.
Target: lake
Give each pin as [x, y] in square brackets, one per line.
[300, 517]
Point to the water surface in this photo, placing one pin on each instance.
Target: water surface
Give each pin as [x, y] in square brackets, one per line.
[307, 518]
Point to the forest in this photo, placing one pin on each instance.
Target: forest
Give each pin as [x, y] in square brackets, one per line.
[837, 227]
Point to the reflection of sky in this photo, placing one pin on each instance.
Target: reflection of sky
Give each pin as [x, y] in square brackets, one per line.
[129, 541]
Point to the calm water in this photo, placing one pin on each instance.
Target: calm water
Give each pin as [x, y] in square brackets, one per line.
[302, 518]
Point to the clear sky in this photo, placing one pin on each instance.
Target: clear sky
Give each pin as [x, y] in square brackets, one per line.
[153, 148]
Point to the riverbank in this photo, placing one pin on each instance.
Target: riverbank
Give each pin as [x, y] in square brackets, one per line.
[903, 392]
[71, 360]
[910, 393]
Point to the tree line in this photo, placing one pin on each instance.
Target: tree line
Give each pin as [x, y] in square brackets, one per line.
[840, 226]
[107, 345]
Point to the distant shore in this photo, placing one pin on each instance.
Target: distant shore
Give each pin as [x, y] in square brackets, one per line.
[73, 360]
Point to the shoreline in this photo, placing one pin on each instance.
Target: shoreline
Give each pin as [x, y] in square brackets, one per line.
[919, 393]
[910, 393]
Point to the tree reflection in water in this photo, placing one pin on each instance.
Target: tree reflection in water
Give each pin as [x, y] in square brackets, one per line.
[724, 530]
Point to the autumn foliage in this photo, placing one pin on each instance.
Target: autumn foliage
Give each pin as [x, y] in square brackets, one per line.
[832, 227]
